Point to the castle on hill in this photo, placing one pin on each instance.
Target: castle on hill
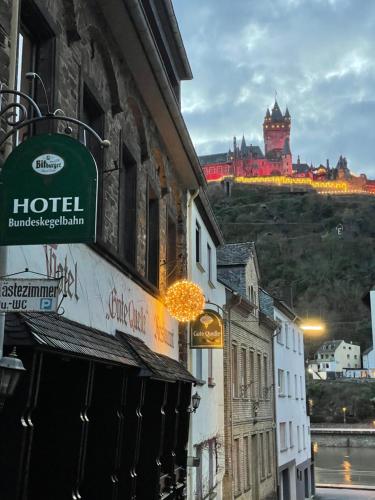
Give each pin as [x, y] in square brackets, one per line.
[277, 160]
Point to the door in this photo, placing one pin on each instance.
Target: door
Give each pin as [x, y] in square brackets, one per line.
[254, 468]
[285, 484]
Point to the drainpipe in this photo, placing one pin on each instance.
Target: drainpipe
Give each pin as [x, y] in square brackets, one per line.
[191, 198]
[8, 147]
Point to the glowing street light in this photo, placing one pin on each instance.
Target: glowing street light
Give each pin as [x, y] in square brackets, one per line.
[313, 328]
[344, 408]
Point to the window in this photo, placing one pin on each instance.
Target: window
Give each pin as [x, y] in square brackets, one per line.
[246, 464]
[211, 462]
[296, 386]
[286, 336]
[36, 53]
[283, 444]
[262, 456]
[348, 356]
[265, 375]
[252, 373]
[171, 251]
[301, 385]
[355, 356]
[209, 262]
[291, 443]
[199, 473]
[294, 340]
[288, 384]
[235, 370]
[93, 115]
[244, 373]
[127, 209]
[303, 437]
[299, 437]
[152, 256]
[259, 365]
[280, 332]
[299, 343]
[281, 382]
[269, 452]
[198, 257]
[210, 368]
[198, 364]
[237, 466]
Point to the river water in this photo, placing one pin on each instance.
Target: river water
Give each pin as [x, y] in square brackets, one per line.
[344, 465]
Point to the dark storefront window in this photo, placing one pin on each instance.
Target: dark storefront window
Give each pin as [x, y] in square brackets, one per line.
[152, 262]
[128, 208]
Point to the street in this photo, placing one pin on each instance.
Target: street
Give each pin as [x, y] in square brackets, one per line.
[338, 494]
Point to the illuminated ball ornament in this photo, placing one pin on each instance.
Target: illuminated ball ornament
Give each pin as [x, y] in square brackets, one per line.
[184, 300]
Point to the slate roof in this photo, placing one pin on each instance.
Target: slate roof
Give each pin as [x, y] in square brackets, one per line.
[301, 168]
[276, 114]
[329, 346]
[214, 158]
[235, 253]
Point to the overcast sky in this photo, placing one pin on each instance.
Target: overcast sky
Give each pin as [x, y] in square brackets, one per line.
[318, 54]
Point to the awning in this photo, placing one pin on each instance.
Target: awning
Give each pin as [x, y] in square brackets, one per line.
[58, 334]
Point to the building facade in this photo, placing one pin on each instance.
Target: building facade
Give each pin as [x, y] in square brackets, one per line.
[250, 467]
[295, 468]
[336, 356]
[207, 424]
[102, 410]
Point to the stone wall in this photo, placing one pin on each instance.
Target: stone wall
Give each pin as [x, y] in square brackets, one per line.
[344, 439]
[86, 53]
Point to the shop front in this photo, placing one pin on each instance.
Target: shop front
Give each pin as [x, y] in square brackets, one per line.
[102, 411]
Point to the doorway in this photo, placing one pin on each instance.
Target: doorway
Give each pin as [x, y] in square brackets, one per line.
[285, 484]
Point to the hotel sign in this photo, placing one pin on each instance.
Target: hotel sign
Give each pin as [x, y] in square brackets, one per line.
[48, 192]
[25, 295]
[206, 332]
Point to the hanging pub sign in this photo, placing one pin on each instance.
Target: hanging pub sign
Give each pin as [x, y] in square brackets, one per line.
[25, 295]
[206, 331]
[48, 192]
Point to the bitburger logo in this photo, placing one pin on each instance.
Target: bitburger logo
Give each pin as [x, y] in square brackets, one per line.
[48, 164]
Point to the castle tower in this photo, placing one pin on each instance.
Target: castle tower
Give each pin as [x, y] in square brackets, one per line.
[276, 129]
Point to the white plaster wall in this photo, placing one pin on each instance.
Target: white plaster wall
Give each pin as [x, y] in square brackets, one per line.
[208, 421]
[290, 409]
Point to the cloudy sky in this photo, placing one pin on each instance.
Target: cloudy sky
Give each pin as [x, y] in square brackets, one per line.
[319, 55]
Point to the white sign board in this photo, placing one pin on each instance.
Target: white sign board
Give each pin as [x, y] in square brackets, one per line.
[99, 295]
[25, 295]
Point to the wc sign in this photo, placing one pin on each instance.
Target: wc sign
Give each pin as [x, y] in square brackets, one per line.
[48, 193]
[26, 295]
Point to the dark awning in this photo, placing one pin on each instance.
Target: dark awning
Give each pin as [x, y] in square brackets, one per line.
[159, 366]
[56, 333]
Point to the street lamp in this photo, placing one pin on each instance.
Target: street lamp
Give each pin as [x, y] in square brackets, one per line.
[11, 368]
[311, 327]
[195, 402]
[344, 412]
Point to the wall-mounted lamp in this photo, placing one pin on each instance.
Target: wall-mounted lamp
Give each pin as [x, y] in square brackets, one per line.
[195, 402]
[11, 368]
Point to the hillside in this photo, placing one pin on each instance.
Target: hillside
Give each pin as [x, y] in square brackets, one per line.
[302, 257]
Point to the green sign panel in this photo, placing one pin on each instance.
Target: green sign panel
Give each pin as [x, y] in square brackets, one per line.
[48, 192]
[206, 332]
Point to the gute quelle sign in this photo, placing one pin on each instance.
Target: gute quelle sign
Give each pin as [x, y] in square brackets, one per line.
[48, 193]
[206, 332]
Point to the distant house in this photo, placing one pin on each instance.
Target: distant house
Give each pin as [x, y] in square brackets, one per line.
[336, 356]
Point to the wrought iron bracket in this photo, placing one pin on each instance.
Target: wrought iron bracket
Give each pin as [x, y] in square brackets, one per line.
[18, 115]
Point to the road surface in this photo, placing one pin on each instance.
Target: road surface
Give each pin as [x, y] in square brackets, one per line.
[338, 494]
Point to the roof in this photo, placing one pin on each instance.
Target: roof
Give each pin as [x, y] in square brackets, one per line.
[276, 114]
[301, 167]
[214, 158]
[56, 333]
[329, 345]
[235, 253]
[366, 351]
